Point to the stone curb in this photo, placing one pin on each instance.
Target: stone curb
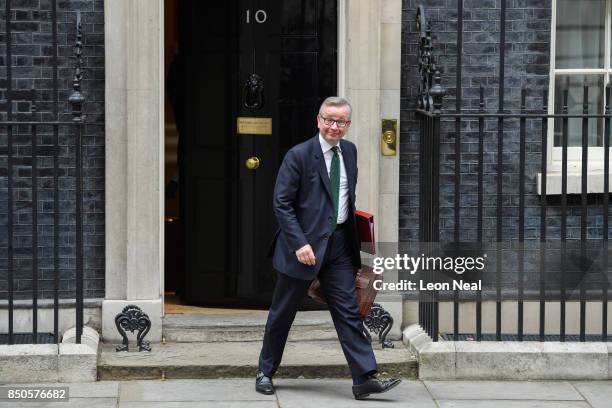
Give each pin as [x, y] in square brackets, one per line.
[79, 362]
[45, 363]
[507, 360]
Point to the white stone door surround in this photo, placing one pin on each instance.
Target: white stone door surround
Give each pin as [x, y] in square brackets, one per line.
[134, 161]
[369, 76]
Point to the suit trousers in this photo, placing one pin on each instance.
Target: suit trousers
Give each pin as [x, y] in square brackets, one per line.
[337, 279]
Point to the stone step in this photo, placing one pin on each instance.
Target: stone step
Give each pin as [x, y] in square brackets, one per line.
[242, 326]
[310, 359]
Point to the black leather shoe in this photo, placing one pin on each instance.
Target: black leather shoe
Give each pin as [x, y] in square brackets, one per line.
[263, 384]
[374, 386]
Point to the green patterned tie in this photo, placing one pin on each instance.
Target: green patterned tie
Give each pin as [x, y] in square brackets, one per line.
[334, 176]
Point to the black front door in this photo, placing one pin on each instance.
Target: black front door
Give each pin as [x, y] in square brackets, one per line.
[255, 73]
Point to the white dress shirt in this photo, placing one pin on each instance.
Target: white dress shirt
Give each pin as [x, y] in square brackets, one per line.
[344, 191]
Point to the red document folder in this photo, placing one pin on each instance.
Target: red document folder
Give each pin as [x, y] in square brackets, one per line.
[365, 230]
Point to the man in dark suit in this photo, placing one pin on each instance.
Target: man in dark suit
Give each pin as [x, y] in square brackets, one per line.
[314, 204]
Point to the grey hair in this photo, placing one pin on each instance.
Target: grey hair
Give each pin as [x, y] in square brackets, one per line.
[336, 101]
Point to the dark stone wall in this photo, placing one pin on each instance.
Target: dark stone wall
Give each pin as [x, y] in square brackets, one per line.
[32, 67]
[527, 56]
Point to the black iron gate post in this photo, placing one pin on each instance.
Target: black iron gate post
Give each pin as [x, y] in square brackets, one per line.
[76, 100]
[430, 97]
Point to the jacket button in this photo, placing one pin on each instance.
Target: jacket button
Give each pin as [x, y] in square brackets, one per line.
[325, 236]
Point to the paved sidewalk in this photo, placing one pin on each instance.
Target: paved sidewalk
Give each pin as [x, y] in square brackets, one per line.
[303, 393]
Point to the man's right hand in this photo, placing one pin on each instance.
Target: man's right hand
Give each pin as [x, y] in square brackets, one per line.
[305, 255]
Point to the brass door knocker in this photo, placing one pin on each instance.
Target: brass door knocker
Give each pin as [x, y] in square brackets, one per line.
[253, 92]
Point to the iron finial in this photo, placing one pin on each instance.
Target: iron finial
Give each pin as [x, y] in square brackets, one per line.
[437, 91]
[76, 98]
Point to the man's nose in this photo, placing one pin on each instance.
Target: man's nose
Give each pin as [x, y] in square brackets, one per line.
[336, 125]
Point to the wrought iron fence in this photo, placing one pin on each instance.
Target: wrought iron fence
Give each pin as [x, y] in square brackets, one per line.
[22, 124]
[438, 126]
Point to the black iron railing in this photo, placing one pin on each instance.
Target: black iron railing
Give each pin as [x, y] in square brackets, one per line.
[493, 126]
[17, 126]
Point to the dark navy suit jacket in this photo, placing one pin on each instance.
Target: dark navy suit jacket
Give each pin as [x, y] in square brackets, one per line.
[303, 207]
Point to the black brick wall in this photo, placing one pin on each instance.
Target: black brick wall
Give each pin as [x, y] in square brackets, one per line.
[32, 68]
[526, 65]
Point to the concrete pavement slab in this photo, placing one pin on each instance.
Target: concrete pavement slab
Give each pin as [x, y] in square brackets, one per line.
[512, 404]
[597, 393]
[235, 389]
[338, 394]
[201, 404]
[71, 403]
[100, 389]
[503, 390]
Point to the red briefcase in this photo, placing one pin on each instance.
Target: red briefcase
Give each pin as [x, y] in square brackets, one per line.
[364, 277]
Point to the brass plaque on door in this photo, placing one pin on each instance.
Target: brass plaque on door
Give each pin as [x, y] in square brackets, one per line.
[254, 126]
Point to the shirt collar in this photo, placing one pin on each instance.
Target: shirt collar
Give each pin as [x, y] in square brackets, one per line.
[325, 146]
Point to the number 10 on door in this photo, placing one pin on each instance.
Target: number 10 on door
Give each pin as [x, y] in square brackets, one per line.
[260, 16]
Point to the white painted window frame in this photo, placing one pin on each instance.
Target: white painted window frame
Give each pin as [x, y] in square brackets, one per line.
[595, 154]
[575, 153]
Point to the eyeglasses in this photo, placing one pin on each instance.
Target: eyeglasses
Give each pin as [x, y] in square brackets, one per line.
[340, 123]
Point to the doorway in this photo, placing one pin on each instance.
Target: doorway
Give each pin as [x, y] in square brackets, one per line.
[244, 81]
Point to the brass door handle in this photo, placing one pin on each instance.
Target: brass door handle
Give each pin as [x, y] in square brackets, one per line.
[252, 163]
[389, 137]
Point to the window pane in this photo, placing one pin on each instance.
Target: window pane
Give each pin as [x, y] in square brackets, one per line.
[580, 34]
[575, 85]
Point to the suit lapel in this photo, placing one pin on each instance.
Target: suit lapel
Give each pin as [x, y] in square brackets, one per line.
[349, 165]
[318, 155]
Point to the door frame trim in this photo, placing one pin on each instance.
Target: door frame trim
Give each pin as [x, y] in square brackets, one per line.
[134, 123]
[341, 38]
